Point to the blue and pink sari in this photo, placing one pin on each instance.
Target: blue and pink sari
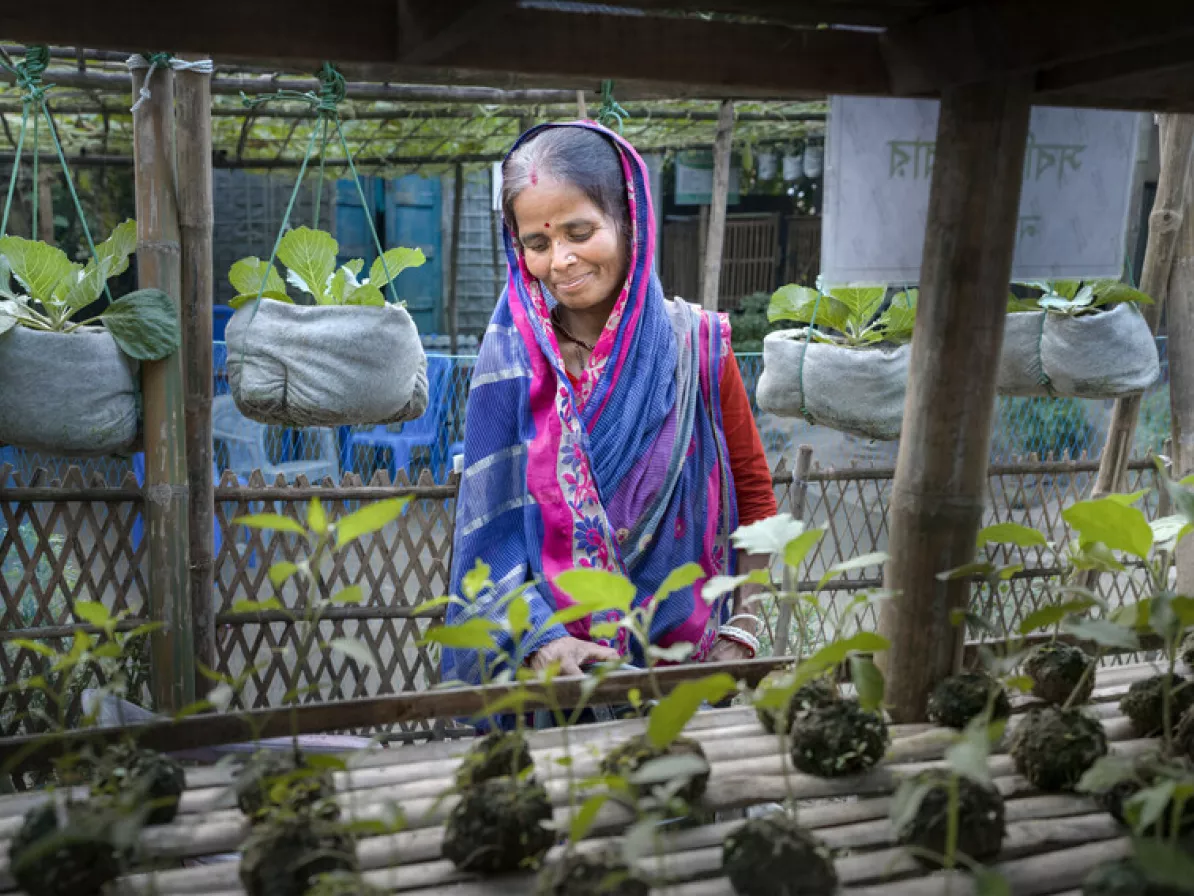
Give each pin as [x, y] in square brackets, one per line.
[627, 472]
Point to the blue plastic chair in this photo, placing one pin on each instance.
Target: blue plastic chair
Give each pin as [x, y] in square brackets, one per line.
[423, 432]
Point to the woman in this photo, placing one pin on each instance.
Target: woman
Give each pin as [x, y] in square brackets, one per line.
[606, 426]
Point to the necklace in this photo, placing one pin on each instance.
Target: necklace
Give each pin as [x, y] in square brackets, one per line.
[555, 319]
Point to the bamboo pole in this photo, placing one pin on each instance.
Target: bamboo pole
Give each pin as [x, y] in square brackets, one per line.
[454, 263]
[582, 108]
[1180, 320]
[941, 471]
[1177, 136]
[715, 237]
[195, 217]
[797, 503]
[45, 199]
[166, 506]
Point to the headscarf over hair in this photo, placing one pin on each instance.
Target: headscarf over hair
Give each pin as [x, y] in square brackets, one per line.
[628, 472]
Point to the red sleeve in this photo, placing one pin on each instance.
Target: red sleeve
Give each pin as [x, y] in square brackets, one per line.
[748, 461]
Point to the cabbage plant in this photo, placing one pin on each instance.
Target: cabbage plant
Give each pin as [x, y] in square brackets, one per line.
[855, 315]
[310, 258]
[52, 290]
[1075, 298]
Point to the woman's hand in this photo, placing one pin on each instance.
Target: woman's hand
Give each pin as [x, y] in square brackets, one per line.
[726, 651]
[571, 653]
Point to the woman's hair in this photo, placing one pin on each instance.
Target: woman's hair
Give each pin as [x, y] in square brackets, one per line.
[575, 156]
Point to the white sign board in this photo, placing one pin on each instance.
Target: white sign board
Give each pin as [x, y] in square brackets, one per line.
[1078, 170]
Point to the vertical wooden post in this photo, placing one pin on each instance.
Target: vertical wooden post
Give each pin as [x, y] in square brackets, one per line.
[1181, 370]
[937, 496]
[167, 503]
[195, 216]
[1177, 136]
[582, 108]
[715, 238]
[45, 200]
[454, 263]
[797, 504]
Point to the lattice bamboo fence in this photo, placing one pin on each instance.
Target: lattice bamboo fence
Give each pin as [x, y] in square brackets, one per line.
[69, 540]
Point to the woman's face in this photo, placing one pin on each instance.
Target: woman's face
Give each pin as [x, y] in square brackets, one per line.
[570, 245]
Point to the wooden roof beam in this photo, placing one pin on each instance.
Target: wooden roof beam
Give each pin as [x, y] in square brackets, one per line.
[427, 32]
[986, 41]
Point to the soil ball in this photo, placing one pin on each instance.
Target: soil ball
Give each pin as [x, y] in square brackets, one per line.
[287, 851]
[1183, 737]
[960, 698]
[1056, 670]
[1186, 651]
[774, 856]
[343, 883]
[1054, 747]
[1122, 877]
[140, 777]
[274, 779]
[818, 692]
[839, 739]
[498, 825]
[980, 818]
[79, 857]
[627, 758]
[496, 755]
[1143, 703]
[601, 873]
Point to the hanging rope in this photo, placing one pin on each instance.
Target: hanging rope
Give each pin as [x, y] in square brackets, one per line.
[610, 113]
[154, 61]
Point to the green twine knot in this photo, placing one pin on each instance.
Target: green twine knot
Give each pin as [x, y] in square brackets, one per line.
[28, 73]
[611, 114]
[332, 89]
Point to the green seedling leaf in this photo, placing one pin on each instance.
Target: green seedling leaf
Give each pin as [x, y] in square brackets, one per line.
[113, 253]
[353, 649]
[989, 882]
[475, 580]
[674, 711]
[239, 301]
[193, 709]
[1105, 773]
[597, 589]
[246, 276]
[863, 561]
[144, 324]
[275, 521]
[683, 577]
[1011, 533]
[349, 595]
[368, 294]
[396, 261]
[472, 634]
[796, 550]
[34, 647]
[310, 256]
[676, 653]
[868, 681]
[770, 536]
[1136, 615]
[669, 768]
[905, 803]
[586, 815]
[317, 518]
[1164, 863]
[1128, 498]
[281, 571]
[717, 586]
[39, 268]
[1110, 522]
[1102, 632]
[968, 756]
[1182, 495]
[515, 701]
[1143, 808]
[257, 606]
[968, 571]
[792, 302]
[518, 618]
[1050, 616]
[93, 612]
[816, 665]
[370, 518]
[9, 314]
[1021, 683]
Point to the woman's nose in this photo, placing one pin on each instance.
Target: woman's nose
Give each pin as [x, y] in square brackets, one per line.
[561, 255]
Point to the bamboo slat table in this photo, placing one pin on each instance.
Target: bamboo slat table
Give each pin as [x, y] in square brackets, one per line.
[1052, 839]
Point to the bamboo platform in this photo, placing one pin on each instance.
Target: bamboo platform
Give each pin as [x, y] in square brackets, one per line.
[1052, 839]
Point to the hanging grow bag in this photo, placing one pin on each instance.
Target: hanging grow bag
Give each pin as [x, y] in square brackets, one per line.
[92, 411]
[326, 365]
[1109, 354]
[854, 390]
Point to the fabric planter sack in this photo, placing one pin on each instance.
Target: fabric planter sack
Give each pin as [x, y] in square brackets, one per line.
[859, 391]
[1105, 355]
[67, 393]
[326, 365]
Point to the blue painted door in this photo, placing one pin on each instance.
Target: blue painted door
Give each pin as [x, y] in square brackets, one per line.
[352, 219]
[412, 218]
